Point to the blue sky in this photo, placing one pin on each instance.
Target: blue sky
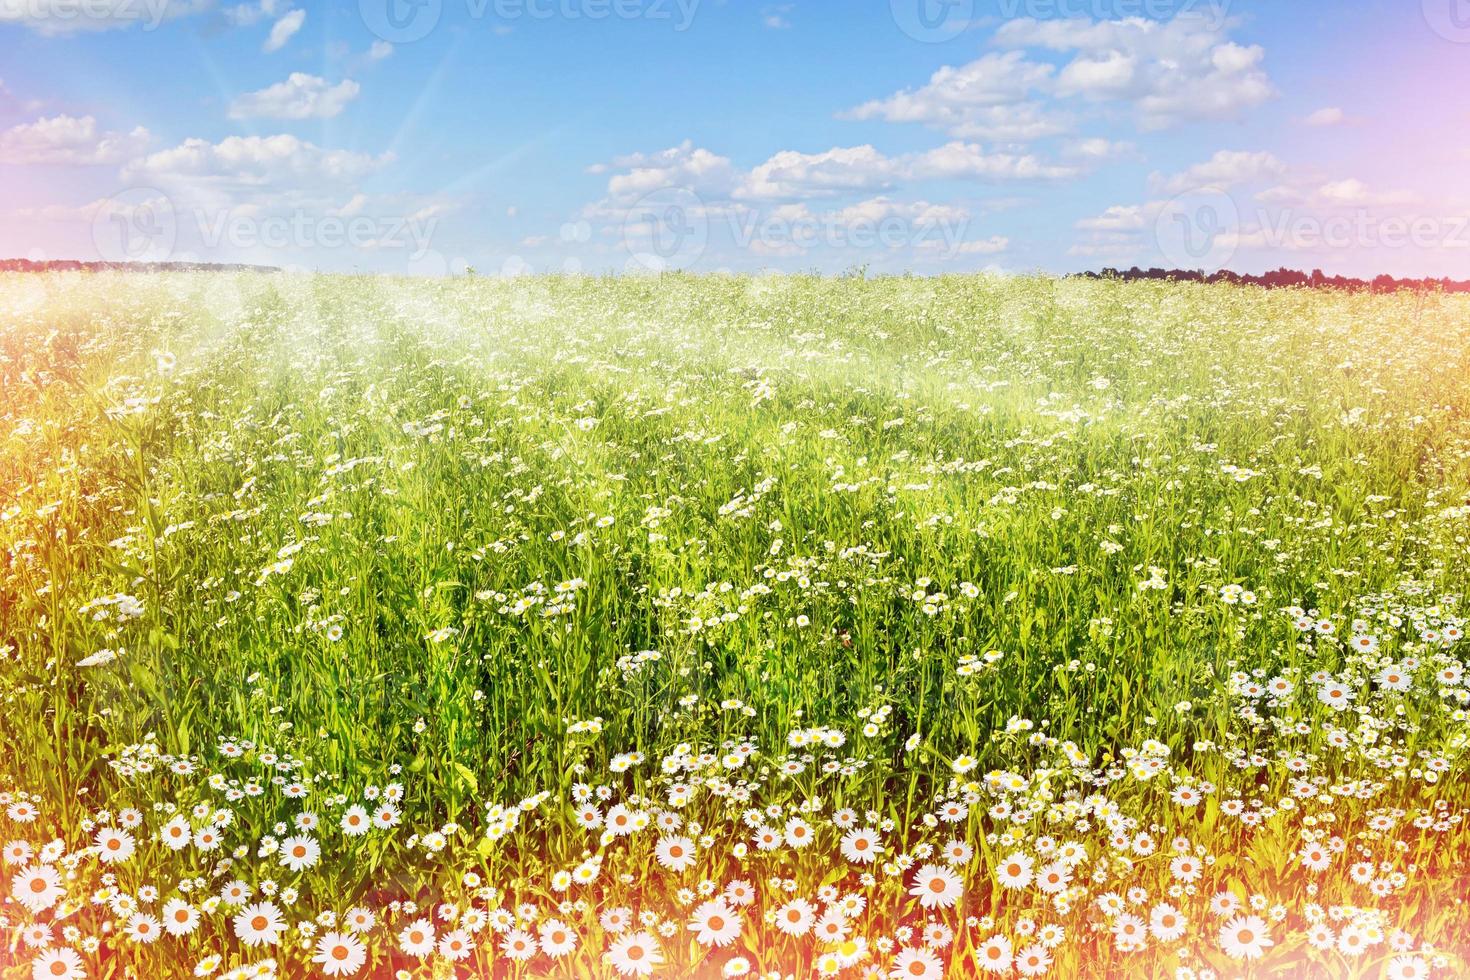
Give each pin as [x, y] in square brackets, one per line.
[596, 135]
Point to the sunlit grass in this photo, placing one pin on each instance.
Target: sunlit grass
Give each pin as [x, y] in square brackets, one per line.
[1036, 549]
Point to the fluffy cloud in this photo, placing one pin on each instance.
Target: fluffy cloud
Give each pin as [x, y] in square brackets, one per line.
[684, 166]
[1103, 247]
[769, 211]
[254, 161]
[249, 14]
[994, 80]
[1329, 116]
[794, 176]
[1350, 192]
[1172, 71]
[777, 16]
[790, 175]
[1118, 218]
[1097, 149]
[301, 96]
[1105, 75]
[985, 99]
[1226, 169]
[967, 161]
[283, 30]
[56, 213]
[69, 140]
[993, 245]
[877, 209]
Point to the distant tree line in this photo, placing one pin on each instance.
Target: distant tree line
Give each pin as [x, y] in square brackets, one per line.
[1287, 278]
[1279, 279]
[72, 265]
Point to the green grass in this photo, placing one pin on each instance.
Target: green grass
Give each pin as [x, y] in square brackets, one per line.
[376, 523]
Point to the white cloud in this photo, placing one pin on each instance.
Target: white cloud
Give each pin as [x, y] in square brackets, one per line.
[1118, 218]
[967, 161]
[920, 213]
[255, 161]
[684, 166]
[1226, 169]
[1173, 71]
[1232, 86]
[1329, 116]
[353, 206]
[379, 51]
[69, 140]
[790, 174]
[1349, 192]
[300, 96]
[769, 210]
[56, 213]
[1097, 149]
[776, 16]
[1103, 248]
[1120, 232]
[250, 14]
[283, 30]
[793, 175]
[995, 79]
[987, 99]
[1024, 122]
[1106, 75]
[987, 246]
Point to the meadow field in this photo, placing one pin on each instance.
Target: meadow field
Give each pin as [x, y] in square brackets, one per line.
[723, 626]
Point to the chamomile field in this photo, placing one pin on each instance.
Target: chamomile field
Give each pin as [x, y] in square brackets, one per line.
[731, 626]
